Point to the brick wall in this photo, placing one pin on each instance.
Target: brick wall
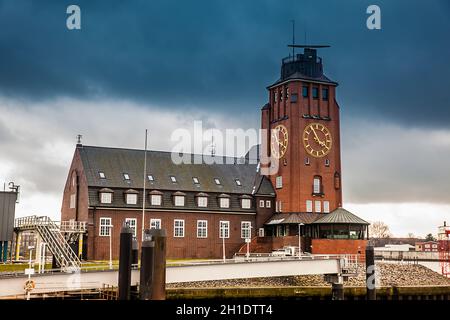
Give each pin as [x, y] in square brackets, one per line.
[338, 246]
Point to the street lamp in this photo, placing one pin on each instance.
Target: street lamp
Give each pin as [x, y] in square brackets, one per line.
[248, 240]
[110, 247]
[299, 241]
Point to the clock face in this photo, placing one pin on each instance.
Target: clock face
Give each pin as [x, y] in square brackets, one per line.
[317, 140]
[279, 141]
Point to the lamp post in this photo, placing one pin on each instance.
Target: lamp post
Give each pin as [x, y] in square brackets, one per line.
[248, 240]
[299, 241]
[29, 271]
[110, 247]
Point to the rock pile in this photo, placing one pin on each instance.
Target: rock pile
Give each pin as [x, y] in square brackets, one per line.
[387, 275]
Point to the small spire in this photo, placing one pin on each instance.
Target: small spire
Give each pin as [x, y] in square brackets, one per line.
[79, 136]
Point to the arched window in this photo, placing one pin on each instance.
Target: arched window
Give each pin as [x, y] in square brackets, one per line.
[317, 185]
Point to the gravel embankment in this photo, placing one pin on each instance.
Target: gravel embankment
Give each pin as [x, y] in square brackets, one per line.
[387, 274]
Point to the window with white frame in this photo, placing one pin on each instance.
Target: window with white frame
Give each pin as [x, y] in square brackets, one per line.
[279, 182]
[155, 223]
[106, 197]
[317, 185]
[202, 202]
[179, 201]
[224, 202]
[202, 228]
[246, 228]
[105, 227]
[155, 199]
[131, 198]
[224, 229]
[178, 228]
[132, 224]
[246, 203]
[318, 206]
[73, 198]
[268, 203]
[261, 203]
[326, 206]
[309, 206]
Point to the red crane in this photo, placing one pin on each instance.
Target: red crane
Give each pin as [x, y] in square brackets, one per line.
[444, 249]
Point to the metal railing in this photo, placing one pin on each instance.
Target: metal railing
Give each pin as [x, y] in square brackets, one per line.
[72, 226]
[51, 234]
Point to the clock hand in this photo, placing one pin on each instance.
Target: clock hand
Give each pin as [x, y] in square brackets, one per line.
[316, 138]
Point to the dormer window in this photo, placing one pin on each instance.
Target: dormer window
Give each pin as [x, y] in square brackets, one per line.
[246, 203]
[131, 196]
[179, 199]
[126, 176]
[238, 182]
[217, 181]
[202, 202]
[173, 179]
[224, 201]
[156, 198]
[150, 178]
[106, 195]
[101, 174]
[195, 180]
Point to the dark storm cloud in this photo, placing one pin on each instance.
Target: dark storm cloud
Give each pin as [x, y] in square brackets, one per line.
[212, 54]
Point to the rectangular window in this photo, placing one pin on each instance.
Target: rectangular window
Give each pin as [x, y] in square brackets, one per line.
[217, 181]
[318, 206]
[195, 179]
[224, 202]
[307, 161]
[224, 227]
[315, 93]
[150, 177]
[202, 202]
[261, 203]
[178, 228]
[294, 97]
[105, 227]
[279, 182]
[327, 162]
[173, 179]
[326, 206]
[325, 94]
[155, 199]
[202, 229]
[155, 223]
[102, 175]
[126, 176]
[132, 198]
[305, 90]
[268, 203]
[73, 198]
[316, 185]
[261, 232]
[309, 206]
[246, 204]
[105, 197]
[179, 201]
[238, 182]
[246, 228]
[132, 224]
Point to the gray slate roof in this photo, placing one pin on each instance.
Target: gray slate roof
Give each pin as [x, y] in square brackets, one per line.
[114, 162]
[300, 76]
[340, 215]
[294, 218]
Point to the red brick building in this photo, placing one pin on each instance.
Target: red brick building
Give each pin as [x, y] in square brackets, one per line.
[203, 205]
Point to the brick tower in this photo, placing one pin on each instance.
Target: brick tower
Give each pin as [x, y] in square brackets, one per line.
[303, 117]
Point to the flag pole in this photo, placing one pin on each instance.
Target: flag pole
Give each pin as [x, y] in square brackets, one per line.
[145, 179]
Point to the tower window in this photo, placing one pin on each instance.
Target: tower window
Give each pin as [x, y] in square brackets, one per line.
[307, 161]
[317, 185]
[279, 182]
[309, 206]
[305, 90]
[294, 97]
[327, 162]
[276, 96]
[337, 181]
[325, 94]
[315, 92]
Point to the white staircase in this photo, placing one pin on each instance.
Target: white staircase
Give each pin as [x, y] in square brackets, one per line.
[51, 234]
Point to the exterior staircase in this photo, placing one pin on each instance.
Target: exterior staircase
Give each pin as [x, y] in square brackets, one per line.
[51, 234]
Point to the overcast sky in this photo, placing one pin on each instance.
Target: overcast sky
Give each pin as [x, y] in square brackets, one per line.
[164, 64]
